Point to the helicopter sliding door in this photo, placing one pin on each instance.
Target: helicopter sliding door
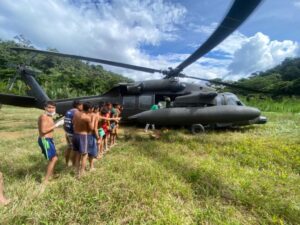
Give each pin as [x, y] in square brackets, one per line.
[130, 105]
[134, 104]
[145, 102]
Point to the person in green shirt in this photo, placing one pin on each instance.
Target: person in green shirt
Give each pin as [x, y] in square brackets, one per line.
[153, 107]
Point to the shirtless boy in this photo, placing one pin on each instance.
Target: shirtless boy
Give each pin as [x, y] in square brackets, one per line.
[93, 137]
[68, 127]
[83, 125]
[46, 127]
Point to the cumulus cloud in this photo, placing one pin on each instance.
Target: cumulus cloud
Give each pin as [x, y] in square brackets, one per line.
[258, 53]
[112, 30]
[118, 29]
[297, 3]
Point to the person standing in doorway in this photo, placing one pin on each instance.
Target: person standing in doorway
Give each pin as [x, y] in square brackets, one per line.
[153, 107]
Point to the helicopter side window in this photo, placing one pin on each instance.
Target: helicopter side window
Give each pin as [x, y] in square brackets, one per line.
[145, 101]
[129, 102]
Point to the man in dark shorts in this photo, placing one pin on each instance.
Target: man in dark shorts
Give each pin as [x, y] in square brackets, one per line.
[68, 127]
[3, 200]
[46, 127]
[82, 124]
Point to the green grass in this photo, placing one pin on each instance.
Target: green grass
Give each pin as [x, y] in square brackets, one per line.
[242, 176]
[268, 104]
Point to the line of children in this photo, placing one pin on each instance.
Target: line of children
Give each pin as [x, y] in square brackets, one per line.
[87, 128]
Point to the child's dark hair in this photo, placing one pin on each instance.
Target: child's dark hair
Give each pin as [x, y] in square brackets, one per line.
[76, 103]
[50, 103]
[87, 106]
[104, 111]
[96, 107]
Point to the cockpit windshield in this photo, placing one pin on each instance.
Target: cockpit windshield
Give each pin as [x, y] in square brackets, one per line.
[231, 99]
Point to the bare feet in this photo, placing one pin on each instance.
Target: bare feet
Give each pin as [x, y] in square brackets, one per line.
[43, 187]
[4, 201]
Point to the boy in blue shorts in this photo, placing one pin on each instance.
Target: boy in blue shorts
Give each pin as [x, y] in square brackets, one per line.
[46, 127]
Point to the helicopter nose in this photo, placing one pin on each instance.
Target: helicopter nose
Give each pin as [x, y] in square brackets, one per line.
[252, 112]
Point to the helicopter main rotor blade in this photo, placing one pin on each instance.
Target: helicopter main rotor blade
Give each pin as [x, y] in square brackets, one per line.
[238, 13]
[225, 84]
[107, 62]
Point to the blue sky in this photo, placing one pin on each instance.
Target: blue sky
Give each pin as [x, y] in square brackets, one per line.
[157, 33]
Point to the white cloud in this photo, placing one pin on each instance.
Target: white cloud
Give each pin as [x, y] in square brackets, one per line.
[228, 46]
[113, 31]
[259, 53]
[245, 55]
[117, 29]
[204, 29]
[232, 43]
[297, 3]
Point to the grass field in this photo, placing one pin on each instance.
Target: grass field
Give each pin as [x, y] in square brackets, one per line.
[267, 104]
[242, 176]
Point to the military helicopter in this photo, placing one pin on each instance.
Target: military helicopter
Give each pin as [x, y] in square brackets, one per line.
[187, 104]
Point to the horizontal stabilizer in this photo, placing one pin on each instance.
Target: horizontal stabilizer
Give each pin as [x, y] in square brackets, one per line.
[17, 100]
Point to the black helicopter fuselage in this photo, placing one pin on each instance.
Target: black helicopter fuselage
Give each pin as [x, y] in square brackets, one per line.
[189, 103]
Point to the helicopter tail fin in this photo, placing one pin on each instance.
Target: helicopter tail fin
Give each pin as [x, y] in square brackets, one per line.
[34, 89]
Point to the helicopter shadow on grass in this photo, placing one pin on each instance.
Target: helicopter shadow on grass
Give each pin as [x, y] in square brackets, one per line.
[35, 167]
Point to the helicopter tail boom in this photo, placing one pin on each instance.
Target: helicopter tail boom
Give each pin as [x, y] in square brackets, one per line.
[34, 89]
[16, 100]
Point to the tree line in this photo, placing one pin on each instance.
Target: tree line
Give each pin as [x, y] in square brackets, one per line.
[282, 80]
[59, 77]
[65, 78]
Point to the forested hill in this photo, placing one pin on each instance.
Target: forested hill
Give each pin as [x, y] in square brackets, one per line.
[60, 77]
[283, 79]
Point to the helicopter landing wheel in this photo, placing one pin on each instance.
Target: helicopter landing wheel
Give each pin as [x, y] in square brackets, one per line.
[197, 129]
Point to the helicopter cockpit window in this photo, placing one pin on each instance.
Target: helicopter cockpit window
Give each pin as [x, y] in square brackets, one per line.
[129, 102]
[231, 101]
[239, 103]
[145, 101]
